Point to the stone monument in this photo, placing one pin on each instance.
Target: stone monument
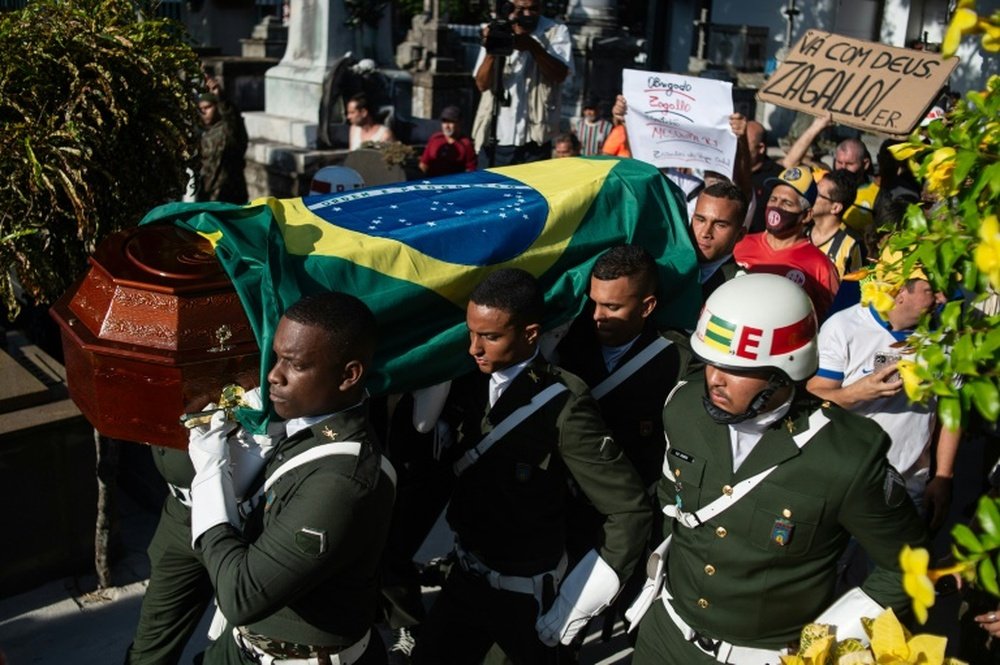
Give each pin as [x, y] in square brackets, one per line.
[293, 90]
[285, 150]
[428, 53]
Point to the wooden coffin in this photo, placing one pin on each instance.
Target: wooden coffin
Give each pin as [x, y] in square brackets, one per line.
[154, 327]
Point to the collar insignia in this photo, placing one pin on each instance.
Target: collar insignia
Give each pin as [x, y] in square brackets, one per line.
[534, 377]
[327, 432]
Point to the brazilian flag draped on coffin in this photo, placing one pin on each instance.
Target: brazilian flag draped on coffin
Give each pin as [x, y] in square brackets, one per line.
[413, 251]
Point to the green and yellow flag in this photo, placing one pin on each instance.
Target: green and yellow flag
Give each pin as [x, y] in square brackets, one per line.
[413, 251]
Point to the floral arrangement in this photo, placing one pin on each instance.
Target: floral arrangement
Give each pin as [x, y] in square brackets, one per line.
[891, 644]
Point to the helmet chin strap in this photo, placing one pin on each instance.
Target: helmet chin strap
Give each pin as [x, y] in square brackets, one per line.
[760, 400]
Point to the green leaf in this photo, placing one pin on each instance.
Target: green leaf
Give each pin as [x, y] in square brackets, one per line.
[986, 398]
[965, 537]
[989, 542]
[988, 515]
[990, 177]
[943, 389]
[949, 315]
[963, 356]
[988, 576]
[915, 219]
[950, 411]
[964, 161]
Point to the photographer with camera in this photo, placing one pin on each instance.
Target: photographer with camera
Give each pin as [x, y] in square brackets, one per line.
[520, 70]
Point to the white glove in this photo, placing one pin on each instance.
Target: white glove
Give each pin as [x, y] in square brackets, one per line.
[584, 593]
[651, 588]
[427, 405]
[248, 453]
[212, 498]
[845, 614]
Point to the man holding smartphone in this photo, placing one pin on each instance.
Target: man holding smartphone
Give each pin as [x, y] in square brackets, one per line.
[858, 353]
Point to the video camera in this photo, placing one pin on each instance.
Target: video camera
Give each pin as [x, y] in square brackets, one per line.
[499, 40]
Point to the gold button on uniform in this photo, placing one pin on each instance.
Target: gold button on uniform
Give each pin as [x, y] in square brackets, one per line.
[709, 569]
[702, 603]
[721, 532]
[727, 490]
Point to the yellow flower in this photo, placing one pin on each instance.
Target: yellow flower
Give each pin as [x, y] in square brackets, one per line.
[879, 295]
[991, 35]
[903, 151]
[817, 653]
[940, 170]
[820, 649]
[914, 562]
[987, 253]
[891, 646]
[792, 660]
[962, 23]
[854, 654]
[912, 383]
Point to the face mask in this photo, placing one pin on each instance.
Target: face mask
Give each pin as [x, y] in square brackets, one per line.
[780, 221]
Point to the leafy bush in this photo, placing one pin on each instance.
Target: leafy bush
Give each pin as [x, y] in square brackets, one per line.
[958, 243]
[100, 124]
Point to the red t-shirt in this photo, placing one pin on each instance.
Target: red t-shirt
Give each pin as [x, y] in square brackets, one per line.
[802, 263]
[443, 158]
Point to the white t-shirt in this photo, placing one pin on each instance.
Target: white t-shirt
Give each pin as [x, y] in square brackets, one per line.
[512, 120]
[848, 344]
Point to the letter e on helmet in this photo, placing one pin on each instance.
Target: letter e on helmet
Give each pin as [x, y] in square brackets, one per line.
[759, 321]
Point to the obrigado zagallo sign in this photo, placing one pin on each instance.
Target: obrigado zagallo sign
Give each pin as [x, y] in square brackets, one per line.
[867, 85]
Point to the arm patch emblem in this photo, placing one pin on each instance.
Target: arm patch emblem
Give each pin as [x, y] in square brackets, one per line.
[311, 542]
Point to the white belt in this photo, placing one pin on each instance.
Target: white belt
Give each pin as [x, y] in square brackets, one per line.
[723, 651]
[532, 586]
[346, 656]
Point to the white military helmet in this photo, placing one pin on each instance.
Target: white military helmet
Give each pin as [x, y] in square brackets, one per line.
[759, 321]
[335, 179]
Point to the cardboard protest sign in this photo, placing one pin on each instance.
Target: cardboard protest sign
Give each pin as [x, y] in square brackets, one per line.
[680, 121]
[862, 84]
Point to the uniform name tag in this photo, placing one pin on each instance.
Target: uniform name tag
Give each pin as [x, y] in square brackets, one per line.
[681, 455]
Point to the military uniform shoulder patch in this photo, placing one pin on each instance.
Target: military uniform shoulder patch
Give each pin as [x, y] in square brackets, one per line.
[608, 450]
[895, 488]
[311, 542]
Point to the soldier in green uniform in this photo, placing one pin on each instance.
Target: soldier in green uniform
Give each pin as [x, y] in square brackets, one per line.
[522, 427]
[765, 485]
[179, 589]
[630, 367]
[300, 582]
[222, 149]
